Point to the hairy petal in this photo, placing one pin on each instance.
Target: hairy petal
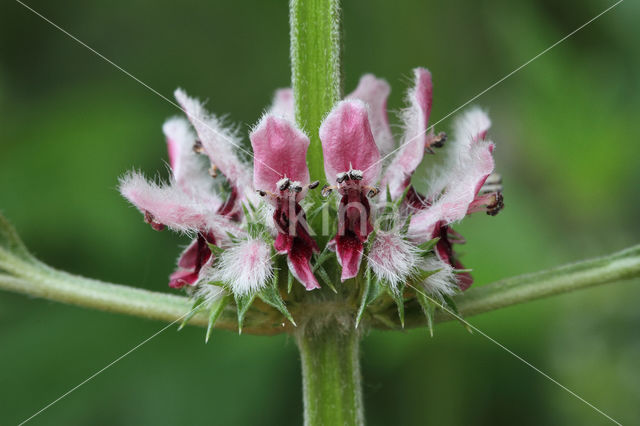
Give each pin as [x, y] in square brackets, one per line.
[347, 142]
[280, 150]
[461, 191]
[374, 92]
[169, 205]
[415, 120]
[283, 105]
[218, 142]
[245, 267]
[392, 258]
[470, 127]
[442, 282]
[189, 171]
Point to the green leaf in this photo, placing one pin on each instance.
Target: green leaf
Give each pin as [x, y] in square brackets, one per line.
[271, 296]
[197, 307]
[243, 303]
[216, 311]
[371, 291]
[428, 308]
[428, 245]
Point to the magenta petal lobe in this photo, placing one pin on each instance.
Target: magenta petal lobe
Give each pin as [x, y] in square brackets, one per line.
[348, 144]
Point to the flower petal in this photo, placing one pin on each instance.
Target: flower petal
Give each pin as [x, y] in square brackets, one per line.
[440, 169]
[349, 248]
[299, 259]
[458, 195]
[415, 118]
[347, 142]
[392, 258]
[283, 105]
[374, 92]
[218, 143]
[245, 267]
[188, 169]
[280, 150]
[169, 205]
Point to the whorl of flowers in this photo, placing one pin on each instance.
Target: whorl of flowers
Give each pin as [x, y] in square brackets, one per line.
[387, 239]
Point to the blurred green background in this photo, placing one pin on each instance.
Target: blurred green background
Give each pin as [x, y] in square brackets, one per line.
[568, 137]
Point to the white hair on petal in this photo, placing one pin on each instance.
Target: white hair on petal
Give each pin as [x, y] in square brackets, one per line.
[168, 204]
[244, 267]
[219, 142]
[392, 259]
[171, 206]
[457, 154]
[189, 169]
[442, 282]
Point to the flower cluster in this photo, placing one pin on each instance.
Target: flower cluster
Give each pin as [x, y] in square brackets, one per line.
[387, 237]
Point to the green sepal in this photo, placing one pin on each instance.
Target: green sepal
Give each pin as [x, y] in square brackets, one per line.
[216, 311]
[243, 303]
[372, 290]
[290, 280]
[321, 258]
[428, 245]
[271, 296]
[452, 306]
[217, 251]
[396, 204]
[398, 296]
[422, 275]
[232, 237]
[428, 308]
[197, 307]
[324, 276]
[405, 226]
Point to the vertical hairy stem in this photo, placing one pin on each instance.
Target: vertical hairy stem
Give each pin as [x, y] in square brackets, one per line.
[329, 353]
[315, 69]
[331, 376]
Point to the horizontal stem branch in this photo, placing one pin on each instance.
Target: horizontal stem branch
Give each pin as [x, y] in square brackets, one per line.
[39, 280]
[619, 266]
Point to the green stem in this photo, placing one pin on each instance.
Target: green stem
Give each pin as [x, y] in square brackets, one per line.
[33, 278]
[315, 64]
[331, 382]
[613, 268]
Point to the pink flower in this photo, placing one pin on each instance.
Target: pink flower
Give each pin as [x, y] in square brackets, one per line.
[352, 137]
[282, 177]
[351, 160]
[221, 200]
